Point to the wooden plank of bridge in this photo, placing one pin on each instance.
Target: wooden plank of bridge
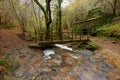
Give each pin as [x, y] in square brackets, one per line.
[58, 41]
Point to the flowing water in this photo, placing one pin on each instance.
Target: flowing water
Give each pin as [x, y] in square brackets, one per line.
[64, 47]
[64, 63]
[47, 53]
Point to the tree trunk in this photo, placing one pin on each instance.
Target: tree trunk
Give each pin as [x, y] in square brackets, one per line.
[114, 8]
[59, 19]
[47, 15]
[48, 19]
[35, 31]
[47, 35]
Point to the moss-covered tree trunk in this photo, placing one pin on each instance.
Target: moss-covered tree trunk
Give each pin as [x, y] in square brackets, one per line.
[59, 19]
[47, 15]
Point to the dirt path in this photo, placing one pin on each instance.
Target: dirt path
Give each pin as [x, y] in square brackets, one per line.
[10, 42]
[108, 45]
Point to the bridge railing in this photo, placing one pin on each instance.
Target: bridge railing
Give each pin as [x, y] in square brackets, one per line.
[66, 36]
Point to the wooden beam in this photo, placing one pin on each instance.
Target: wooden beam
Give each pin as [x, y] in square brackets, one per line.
[58, 41]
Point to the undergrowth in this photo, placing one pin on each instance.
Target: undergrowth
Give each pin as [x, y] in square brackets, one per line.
[7, 66]
[109, 30]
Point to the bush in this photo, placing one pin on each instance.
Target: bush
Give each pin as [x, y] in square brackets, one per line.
[7, 25]
[77, 29]
[109, 30]
[87, 44]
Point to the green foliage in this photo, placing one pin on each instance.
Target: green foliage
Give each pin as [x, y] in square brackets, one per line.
[7, 25]
[93, 46]
[7, 78]
[8, 65]
[19, 79]
[5, 63]
[94, 12]
[78, 29]
[109, 30]
[87, 44]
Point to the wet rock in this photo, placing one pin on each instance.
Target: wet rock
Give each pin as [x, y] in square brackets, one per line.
[45, 69]
[18, 48]
[58, 62]
[35, 73]
[19, 74]
[49, 65]
[26, 75]
[43, 73]
[85, 52]
[96, 58]
[22, 56]
[33, 78]
[91, 75]
[76, 57]
[105, 67]
[67, 60]
[54, 69]
[47, 57]
[92, 60]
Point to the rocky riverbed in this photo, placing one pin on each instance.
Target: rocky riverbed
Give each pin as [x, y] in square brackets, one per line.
[66, 65]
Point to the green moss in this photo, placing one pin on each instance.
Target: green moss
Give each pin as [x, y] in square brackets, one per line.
[93, 46]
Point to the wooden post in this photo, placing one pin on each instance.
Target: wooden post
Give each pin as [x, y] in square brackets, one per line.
[41, 37]
[79, 36]
[75, 35]
[72, 35]
[56, 35]
[68, 35]
[62, 37]
[51, 39]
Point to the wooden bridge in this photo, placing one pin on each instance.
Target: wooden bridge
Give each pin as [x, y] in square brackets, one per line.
[66, 37]
[70, 36]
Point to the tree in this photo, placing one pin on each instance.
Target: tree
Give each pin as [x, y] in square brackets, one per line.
[59, 18]
[77, 10]
[114, 8]
[112, 3]
[20, 15]
[95, 12]
[37, 24]
[47, 16]
[5, 12]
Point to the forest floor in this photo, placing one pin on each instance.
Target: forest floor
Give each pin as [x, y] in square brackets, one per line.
[64, 65]
[108, 43]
